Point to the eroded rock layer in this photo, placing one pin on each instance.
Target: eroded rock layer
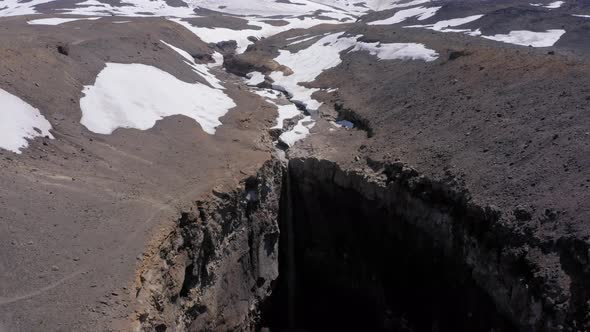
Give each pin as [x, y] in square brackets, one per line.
[380, 249]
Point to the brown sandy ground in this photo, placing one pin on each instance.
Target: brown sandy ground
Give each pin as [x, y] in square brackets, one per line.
[78, 211]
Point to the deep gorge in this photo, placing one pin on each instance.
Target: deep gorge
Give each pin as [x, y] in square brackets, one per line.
[353, 260]
[312, 247]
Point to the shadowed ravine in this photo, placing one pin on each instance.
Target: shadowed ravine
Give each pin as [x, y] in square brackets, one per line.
[349, 262]
[385, 250]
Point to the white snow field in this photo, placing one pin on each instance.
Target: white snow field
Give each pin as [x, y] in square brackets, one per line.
[555, 4]
[336, 9]
[202, 69]
[397, 51]
[285, 109]
[552, 5]
[297, 14]
[58, 21]
[518, 37]
[19, 7]
[136, 96]
[215, 35]
[306, 39]
[19, 121]
[299, 132]
[421, 13]
[255, 78]
[331, 8]
[529, 38]
[309, 63]
[138, 8]
[132, 8]
[269, 8]
[447, 25]
[352, 6]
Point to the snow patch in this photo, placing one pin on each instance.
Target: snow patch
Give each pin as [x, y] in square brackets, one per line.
[309, 63]
[305, 39]
[269, 8]
[216, 35]
[254, 78]
[136, 96]
[397, 51]
[345, 124]
[18, 7]
[131, 8]
[201, 69]
[337, 10]
[421, 13]
[529, 38]
[552, 5]
[446, 25]
[299, 132]
[58, 21]
[19, 121]
[217, 60]
[285, 109]
[297, 37]
[375, 5]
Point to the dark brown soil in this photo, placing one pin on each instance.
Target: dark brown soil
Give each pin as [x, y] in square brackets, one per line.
[78, 211]
[507, 125]
[503, 129]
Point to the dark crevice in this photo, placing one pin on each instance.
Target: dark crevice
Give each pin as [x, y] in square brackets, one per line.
[348, 263]
[574, 258]
[347, 114]
[63, 49]
[454, 55]
[206, 254]
[313, 247]
[190, 281]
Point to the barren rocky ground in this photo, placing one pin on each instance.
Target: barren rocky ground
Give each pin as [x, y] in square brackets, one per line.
[213, 165]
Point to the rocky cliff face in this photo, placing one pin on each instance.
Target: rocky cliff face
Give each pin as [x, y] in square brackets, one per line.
[219, 263]
[316, 247]
[389, 249]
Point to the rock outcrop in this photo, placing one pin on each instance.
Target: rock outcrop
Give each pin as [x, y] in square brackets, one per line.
[215, 268]
[317, 246]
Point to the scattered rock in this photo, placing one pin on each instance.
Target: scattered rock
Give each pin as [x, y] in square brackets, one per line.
[522, 213]
[453, 55]
[227, 47]
[63, 49]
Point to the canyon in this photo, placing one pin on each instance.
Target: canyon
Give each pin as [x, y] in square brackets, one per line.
[212, 165]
